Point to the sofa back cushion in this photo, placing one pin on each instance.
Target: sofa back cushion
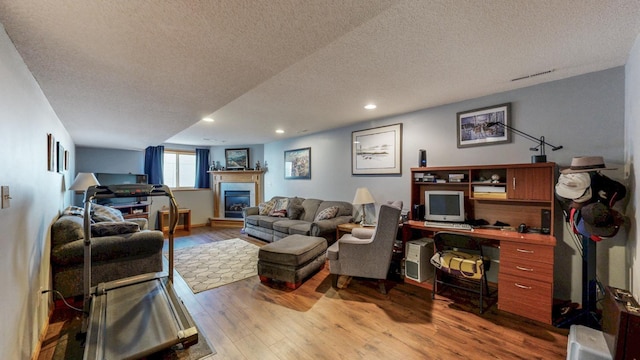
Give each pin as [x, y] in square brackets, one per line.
[344, 208]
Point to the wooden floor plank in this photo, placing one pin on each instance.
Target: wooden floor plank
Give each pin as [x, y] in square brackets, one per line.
[251, 320]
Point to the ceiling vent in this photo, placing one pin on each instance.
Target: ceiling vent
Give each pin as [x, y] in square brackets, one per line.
[533, 75]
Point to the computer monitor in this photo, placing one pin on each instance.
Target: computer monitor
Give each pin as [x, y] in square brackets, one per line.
[444, 205]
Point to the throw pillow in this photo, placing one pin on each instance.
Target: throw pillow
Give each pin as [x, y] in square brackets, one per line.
[280, 208]
[74, 211]
[114, 228]
[295, 211]
[104, 213]
[266, 207]
[328, 213]
[278, 213]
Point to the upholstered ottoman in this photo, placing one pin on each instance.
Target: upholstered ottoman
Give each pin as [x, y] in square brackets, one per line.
[291, 259]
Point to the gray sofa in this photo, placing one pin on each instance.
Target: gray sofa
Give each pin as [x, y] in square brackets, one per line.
[301, 218]
[119, 249]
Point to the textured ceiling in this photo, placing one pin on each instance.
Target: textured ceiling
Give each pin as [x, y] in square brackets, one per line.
[129, 74]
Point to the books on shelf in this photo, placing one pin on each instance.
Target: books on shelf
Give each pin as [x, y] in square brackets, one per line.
[489, 189]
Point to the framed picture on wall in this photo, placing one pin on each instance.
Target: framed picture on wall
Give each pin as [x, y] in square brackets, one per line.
[297, 164]
[484, 126]
[236, 159]
[60, 157]
[51, 152]
[377, 151]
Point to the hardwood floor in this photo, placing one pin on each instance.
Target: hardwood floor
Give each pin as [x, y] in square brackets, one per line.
[249, 320]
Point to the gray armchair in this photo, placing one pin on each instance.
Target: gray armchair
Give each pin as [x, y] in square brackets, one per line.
[364, 255]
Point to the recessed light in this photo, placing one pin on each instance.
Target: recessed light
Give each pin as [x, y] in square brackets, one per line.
[280, 131]
[208, 119]
[370, 106]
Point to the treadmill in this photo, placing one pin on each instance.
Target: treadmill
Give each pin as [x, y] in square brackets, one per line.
[137, 316]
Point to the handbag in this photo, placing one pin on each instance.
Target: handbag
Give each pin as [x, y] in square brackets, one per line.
[459, 263]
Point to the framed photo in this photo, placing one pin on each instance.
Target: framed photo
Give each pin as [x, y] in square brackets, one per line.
[377, 151]
[236, 159]
[51, 152]
[66, 160]
[60, 157]
[485, 126]
[297, 164]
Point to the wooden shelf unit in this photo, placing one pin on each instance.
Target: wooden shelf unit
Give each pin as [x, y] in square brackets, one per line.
[525, 276]
[528, 188]
[133, 210]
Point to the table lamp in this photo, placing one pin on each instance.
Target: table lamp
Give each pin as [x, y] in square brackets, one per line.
[363, 197]
[83, 181]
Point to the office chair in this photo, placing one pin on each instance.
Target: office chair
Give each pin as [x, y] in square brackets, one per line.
[460, 258]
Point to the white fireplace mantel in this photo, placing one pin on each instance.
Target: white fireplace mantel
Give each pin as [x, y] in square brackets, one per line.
[254, 177]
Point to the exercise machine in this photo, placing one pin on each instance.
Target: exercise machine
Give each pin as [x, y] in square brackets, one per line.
[137, 316]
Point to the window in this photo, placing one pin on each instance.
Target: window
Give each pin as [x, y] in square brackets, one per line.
[180, 169]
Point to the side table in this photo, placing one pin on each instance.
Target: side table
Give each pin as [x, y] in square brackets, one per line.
[184, 219]
[346, 229]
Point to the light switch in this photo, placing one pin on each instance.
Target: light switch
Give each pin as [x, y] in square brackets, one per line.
[4, 194]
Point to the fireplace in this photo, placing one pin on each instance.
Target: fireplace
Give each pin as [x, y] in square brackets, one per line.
[248, 180]
[235, 201]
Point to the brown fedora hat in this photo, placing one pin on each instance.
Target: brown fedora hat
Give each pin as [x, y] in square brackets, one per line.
[586, 164]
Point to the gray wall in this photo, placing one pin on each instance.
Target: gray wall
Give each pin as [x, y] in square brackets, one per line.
[632, 129]
[38, 196]
[585, 114]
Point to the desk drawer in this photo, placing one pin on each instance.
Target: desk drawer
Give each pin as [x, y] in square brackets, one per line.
[524, 251]
[523, 268]
[529, 298]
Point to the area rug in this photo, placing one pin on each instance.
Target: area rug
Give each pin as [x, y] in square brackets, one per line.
[70, 346]
[211, 265]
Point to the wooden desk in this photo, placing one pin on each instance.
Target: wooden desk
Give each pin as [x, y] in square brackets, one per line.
[525, 277]
[184, 219]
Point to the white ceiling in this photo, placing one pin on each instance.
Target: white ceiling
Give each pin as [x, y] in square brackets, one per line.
[129, 74]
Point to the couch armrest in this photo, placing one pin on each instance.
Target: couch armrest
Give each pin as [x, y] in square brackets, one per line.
[142, 222]
[326, 226]
[363, 233]
[253, 210]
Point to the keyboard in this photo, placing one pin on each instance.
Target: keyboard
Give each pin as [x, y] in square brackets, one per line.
[448, 225]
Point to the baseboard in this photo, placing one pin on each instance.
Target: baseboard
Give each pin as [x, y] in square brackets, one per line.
[226, 223]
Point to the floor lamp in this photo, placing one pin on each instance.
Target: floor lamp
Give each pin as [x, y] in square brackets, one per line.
[363, 197]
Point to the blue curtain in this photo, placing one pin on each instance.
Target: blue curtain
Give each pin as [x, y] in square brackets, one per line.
[202, 166]
[154, 164]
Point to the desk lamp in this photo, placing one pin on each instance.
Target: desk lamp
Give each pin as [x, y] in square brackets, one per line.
[363, 197]
[82, 182]
[541, 143]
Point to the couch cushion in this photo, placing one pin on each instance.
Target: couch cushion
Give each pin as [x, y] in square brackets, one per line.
[67, 228]
[105, 213]
[114, 228]
[252, 219]
[284, 225]
[267, 221]
[302, 228]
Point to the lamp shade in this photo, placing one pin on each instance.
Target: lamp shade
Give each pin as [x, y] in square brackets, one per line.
[363, 196]
[83, 181]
